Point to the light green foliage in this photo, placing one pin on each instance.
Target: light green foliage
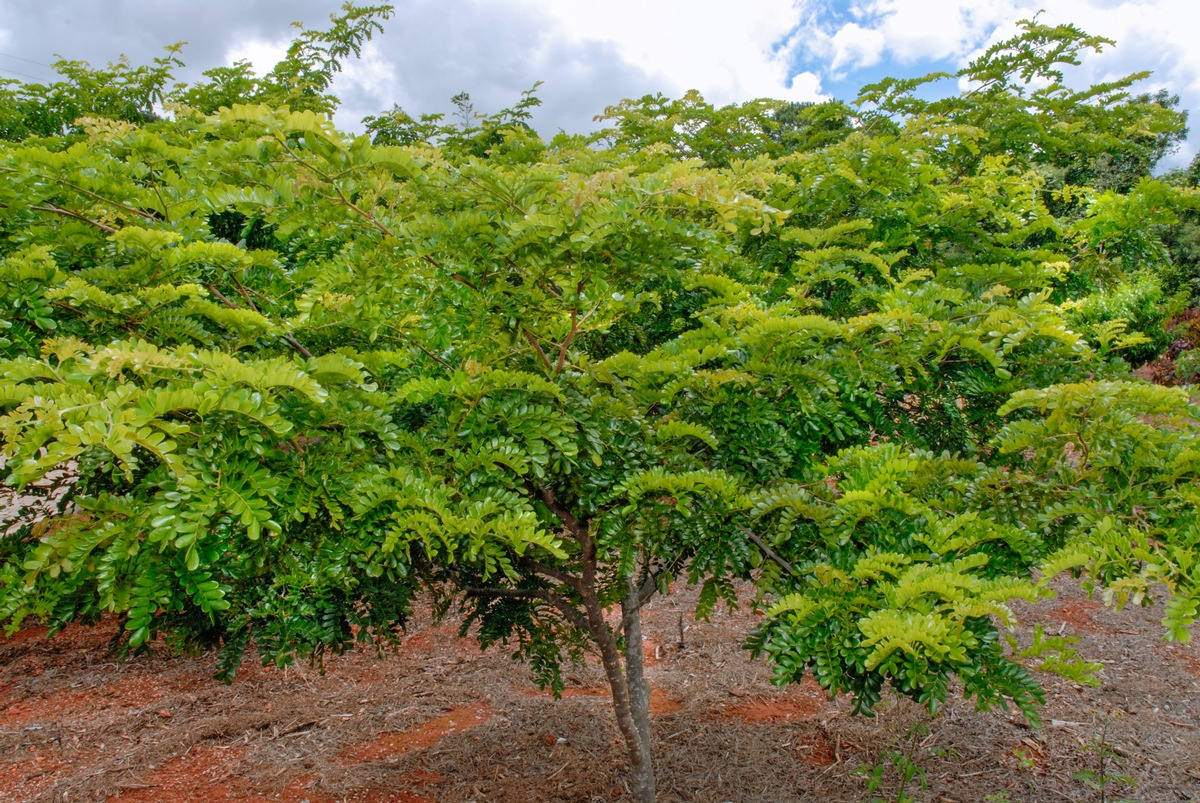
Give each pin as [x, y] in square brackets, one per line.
[1127, 318]
[119, 92]
[1021, 105]
[900, 576]
[691, 128]
[866, 363]
[1112, 469]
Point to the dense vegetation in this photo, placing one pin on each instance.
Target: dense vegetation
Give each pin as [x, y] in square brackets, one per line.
[873, 356]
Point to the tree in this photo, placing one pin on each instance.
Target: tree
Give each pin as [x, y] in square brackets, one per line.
[304, 376]
[301, 80]
[809, 126]
[1021, 103]
[120, 91]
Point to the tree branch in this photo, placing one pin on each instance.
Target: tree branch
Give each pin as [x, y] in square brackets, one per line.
[506, 201]
[88, 193]
[166, 213]
[533, 341]
[245, 294]
[96, 196]
[411, 341]
[365, 215]
[576, 324]
[562, 349]
[298, 346]
[58, 210]
[286, 337]
[573, 525]
[650, 584]
[770, 553]
[458, 277]
[648, 587]
[560, 604]
[553, 573]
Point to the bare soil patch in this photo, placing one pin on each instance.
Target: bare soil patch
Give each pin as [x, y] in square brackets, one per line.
[806, 700]
[392, 744]
[441, 721]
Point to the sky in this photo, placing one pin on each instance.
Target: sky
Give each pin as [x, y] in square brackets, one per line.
[592, 53]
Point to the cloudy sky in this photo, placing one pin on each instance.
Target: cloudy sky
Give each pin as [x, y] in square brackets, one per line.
[591, 53]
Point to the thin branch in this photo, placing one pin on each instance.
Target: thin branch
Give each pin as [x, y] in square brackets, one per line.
[547, 285]
[576, 323]
[254, 292]
[770, 553]
[286, 337]
[297, 345]
[562, 349]
[576, 326]
[650, 585]
[495, 194]
[58, 210]
[648, 588]
[573, 525]
[166, 214]
[400, 334]
[591, 312]
[103, 200]
[245, 294]
[538, 348]
[374, 221]
[367, 216]
[458, 277]
[224, 299]
[560, 604]
[90, 194]
[561, 576]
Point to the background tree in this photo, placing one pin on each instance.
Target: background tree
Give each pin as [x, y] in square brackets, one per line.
[301, 80]
[1022, 103]
[120, 91]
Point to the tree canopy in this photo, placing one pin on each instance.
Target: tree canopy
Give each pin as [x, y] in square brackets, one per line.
[874, 358]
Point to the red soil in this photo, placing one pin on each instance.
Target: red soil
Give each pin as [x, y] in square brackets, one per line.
[439, 720]
[660, 702]
[806, 702]
[1078, 615]
[199, 776]
[397, 743]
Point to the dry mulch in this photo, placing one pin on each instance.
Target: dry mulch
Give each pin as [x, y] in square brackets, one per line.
[440, 721]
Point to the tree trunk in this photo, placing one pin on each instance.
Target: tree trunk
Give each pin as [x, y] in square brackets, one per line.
[639, 695]
[630, 693]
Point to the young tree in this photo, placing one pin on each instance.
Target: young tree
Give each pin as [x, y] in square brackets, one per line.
[303, 376]
[1024, 106]
[120, 91]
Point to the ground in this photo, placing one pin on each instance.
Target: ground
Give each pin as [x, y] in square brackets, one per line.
[440, 721]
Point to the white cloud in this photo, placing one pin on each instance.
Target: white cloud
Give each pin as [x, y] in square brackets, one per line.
[730, 53]
[854, 46]
[263, 54]
[367, 83]
[921, 31]
[905, 31]
[807, 84]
